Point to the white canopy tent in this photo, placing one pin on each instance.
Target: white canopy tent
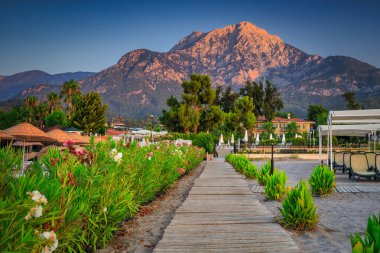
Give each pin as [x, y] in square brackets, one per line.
[349, 123]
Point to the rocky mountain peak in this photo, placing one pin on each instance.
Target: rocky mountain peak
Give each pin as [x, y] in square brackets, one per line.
[142, 80]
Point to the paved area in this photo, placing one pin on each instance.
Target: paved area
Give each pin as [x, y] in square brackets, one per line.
[221, 214]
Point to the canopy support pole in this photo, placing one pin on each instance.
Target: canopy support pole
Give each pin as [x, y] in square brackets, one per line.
[330, 140]
[320, 146]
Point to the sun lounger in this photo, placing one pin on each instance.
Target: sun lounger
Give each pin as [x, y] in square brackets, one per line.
[338, 161]
[371, 157]
[377, 165]
[359, 167]
[347, 163]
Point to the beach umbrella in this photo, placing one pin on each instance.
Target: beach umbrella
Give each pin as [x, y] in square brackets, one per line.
[232, 139]
[270, 137]
[221, 141]
[26, 132]
[4, 136]
[283, 139]
[257, 139]
[246, 136]
[79, 139]
[58, 135]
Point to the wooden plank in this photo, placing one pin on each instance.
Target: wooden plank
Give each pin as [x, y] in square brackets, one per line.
[221, 214]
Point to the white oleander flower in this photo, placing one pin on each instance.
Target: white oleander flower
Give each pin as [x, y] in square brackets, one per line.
[52, 237]
[38, 212]
[35, 211]
[118, 157]
[38, 197]
[113, 152]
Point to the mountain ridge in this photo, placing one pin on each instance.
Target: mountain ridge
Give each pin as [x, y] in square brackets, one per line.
[141, 80]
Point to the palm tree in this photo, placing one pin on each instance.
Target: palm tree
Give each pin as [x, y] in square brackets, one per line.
[69, 90]
[31, 103]
[53, 101]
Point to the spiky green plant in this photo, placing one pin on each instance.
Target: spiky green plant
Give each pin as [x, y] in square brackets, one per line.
[276, 185]
[322, 180]
[298, 210]
[264, 173]
[371, 241]
[243, 165]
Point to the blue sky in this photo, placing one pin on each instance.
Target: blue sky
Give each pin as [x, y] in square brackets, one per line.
[60, 36]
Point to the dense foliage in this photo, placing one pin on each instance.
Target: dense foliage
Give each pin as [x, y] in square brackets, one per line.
[56, 118]
[88, 110]
[197, 110]
[318, 114]
[205, 109]
[298, 210]
[371, 241]
[74, 199]
[267, 99]
[243, 165]
[275, 187]
[264, 173]
[322, 180]
[202, 140]
[90, 113]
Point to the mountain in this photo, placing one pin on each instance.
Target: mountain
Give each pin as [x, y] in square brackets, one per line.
[141, 81]
[11, 86]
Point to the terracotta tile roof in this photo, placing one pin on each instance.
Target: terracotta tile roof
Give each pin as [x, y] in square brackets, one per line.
[113, 132]
[279, 120]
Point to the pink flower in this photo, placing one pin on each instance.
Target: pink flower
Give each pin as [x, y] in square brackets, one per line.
[68, 143]
[79, 152]
[150, 154]
[180, 171]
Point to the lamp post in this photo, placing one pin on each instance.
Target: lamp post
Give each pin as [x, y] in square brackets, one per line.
[151, 128]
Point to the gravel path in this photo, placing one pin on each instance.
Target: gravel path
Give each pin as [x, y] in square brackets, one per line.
[341, 214]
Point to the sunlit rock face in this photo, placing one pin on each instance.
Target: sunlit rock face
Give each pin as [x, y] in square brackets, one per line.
[142, 80]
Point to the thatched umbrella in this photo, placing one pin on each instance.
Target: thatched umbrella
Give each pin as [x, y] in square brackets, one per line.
[59, 135]
[27, 132]
[79, 139]
[5, 136]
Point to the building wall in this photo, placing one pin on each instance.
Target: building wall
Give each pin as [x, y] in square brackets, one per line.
[303, 127]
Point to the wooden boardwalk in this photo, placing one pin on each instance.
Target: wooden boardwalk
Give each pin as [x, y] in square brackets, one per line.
[221, 214]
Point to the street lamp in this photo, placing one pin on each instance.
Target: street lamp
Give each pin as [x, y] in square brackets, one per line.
[151, 128]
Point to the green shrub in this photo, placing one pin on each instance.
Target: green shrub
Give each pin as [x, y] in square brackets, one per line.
[89, 192]
[276, 185]
[322, 180]
[203, 140]
[298, 210]
[297, 141]
[243, 165]
[371, 241]
[264, 173]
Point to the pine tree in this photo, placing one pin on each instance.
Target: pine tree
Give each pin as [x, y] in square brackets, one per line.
[90, 113]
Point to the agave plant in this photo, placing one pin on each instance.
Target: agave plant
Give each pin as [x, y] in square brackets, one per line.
[243, 165]
[264, 173]
[276, 185]
[298, 210]
[371, 241]
[322, 180]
